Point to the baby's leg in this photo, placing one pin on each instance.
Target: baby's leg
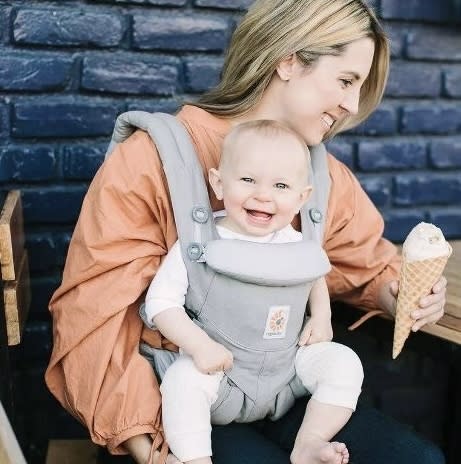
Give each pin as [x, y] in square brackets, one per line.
[187, 396]
[333, 374]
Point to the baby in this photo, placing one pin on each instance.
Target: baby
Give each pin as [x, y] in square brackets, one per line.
[263, 181]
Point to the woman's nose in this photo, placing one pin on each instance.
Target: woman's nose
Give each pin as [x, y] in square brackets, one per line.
[351, 101]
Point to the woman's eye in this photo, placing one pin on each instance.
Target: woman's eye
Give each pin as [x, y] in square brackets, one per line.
[346, 82]
[247, 179]
[281, 185]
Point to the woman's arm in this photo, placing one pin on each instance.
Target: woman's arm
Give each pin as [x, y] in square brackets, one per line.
[125, 226]
[365, 266]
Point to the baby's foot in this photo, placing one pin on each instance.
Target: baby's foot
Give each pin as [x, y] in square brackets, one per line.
[317, 451]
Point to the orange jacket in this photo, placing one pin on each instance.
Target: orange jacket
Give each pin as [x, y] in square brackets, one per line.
[125, 227]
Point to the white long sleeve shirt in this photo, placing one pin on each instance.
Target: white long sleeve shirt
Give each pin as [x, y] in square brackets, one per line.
[169, 287]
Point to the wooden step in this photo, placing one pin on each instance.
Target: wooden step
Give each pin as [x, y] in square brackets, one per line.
[72, 452]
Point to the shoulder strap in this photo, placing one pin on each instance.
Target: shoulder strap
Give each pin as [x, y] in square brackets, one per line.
[186, 184]
[313, 213]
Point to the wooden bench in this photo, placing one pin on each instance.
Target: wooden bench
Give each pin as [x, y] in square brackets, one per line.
[449, 327]
[14, 305]
[14, 267]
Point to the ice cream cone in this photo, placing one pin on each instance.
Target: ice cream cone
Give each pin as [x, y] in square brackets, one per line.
[416, 280]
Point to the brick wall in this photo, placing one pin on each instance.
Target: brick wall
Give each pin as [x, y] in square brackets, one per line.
[69, 67]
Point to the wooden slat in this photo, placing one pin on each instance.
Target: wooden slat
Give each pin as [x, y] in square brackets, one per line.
[10, 452]
[11, 235]
[453, 274]
[17, 302]
[71, 452]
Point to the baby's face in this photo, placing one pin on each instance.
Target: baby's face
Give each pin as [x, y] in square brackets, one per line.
[263, 183]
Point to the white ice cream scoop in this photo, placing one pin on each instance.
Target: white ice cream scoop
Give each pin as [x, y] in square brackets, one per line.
[425, 241]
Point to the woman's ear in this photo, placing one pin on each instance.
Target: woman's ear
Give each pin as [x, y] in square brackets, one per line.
[214, 177]
[286, 67]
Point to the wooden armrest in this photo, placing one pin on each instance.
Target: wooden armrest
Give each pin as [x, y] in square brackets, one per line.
[11, 236]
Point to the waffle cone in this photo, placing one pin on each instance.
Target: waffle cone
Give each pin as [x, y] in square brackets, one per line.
[416, 280]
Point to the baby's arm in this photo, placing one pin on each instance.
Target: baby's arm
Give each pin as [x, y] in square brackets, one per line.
[164, 308]
[318, 327]
[209, 356]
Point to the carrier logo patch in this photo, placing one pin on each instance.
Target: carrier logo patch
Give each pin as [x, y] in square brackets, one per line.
[276, 323]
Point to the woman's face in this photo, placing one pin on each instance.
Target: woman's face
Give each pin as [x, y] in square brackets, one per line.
[311, 100]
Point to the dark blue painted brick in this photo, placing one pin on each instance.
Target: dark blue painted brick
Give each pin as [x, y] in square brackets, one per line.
[425, 10]
[63, 119]
[162, 105]
[399, 223]
[28, 72]
[150, 2]
[342, 150]
[5, 12]
[168, 32]
[420, 189]
[67, 27]
[442, 43]
[41, 288]
[380, 156]
[397, 35]
[230, 4]
[3, 118]
[52, 205]
[377, 188]
[383, 121]
[437, 118]
[132, 75]
[201, 73]
[373, 4]
[448, 220]
[452, 84]
[414, 80]
[446, 154]
[82, 161]
[42, 252]
[27, 164]
[62, 246]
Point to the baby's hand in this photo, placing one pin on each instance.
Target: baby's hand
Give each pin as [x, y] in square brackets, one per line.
[212, 357]
[316, 330]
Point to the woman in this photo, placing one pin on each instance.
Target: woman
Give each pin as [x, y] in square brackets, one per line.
[318, 66]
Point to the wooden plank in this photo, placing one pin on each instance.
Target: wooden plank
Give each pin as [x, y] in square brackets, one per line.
[11, 235]
[453, 274]
[16, 297]
[71, 452]
[10, 452]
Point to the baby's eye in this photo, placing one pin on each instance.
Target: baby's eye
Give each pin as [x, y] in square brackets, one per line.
[281, 185]
[247, 179]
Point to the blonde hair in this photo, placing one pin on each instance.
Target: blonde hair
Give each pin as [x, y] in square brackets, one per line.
[274, 29]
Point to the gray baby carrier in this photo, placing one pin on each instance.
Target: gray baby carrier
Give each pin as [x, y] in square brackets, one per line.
[250, 297]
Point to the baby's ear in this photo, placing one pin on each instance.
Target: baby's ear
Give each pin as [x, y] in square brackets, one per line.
[214, 177]
[305, 194]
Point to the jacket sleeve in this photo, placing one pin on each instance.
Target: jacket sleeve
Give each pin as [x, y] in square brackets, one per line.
[124, 228]
[362, 260]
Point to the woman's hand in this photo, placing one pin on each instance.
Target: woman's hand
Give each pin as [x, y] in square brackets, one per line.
[431, 306]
